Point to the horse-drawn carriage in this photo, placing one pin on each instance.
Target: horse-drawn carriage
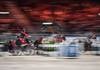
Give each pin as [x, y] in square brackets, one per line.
[16, 47]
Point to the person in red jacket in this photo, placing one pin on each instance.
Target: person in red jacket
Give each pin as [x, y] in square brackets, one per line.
[24, 34]
[21, 42]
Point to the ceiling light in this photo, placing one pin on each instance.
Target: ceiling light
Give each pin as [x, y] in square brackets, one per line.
[47, 23]
[4, 12]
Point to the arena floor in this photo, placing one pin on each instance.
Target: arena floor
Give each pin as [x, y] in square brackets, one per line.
[84, 62]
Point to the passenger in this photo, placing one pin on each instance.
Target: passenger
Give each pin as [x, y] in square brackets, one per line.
[11, 45]
[21, 43]
[21, 40]
[37, 43]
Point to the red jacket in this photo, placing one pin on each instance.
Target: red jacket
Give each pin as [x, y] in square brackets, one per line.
[24, 34]
[22, 40]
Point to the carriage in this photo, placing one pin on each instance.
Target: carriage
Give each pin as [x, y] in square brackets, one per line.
[16, 47]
